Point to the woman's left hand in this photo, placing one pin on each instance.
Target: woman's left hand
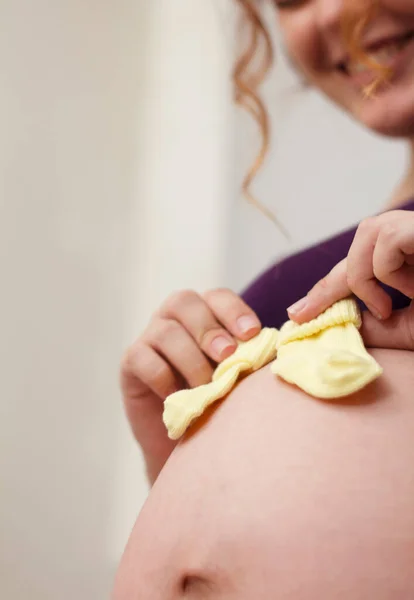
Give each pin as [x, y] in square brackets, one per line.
[382, 251]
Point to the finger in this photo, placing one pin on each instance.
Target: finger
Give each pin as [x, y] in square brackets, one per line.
[360, 270]
[196, 317]
[397, 332]
[144, 369]
[233, 313]
[393, 256]
[328, 290]
[181, 351]
[146, 380]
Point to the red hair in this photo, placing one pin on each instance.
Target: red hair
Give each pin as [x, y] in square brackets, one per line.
[259, 49]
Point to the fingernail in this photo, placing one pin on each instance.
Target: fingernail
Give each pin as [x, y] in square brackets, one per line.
[298, 306]
[221, 345]
[247, 323]
[375, 313]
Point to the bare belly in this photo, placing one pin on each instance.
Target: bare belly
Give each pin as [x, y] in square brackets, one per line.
[280, 496]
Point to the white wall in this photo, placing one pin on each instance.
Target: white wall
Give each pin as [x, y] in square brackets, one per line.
[113, 171]
[180, 227]
[71, 82]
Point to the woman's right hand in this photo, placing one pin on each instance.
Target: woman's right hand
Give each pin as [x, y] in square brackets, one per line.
[382, 251]
[184, 341]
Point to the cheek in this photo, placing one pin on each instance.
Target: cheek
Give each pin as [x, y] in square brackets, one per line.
[302, 44]
[405, 7]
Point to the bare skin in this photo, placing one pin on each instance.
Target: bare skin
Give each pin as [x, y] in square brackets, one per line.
[280, 496]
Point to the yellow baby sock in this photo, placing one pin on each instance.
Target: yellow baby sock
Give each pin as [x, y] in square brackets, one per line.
[326, 357]
[182, 408]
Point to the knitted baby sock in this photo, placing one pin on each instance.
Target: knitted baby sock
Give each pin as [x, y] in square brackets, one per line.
[326, 357]
[183, 407]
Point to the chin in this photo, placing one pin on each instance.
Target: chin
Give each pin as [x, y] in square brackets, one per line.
[391, 114]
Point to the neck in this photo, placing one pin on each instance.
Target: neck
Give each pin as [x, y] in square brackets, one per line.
[405, 190]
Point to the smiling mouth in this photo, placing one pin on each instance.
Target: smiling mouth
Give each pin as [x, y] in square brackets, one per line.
[383, 54]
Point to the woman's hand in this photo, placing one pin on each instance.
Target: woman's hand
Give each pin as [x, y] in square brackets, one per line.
[382, 251]
[181, 346]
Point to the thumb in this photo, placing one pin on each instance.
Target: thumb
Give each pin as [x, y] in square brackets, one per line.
[397, 332]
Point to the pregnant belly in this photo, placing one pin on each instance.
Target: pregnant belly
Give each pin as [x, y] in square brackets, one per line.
[276, 495]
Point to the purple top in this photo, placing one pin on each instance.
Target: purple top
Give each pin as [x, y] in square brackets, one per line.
[291, 279]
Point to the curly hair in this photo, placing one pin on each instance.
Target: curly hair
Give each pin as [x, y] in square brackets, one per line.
[247, 81]
[257, 58]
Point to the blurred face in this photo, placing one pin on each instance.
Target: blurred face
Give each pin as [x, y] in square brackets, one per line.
[312, 31]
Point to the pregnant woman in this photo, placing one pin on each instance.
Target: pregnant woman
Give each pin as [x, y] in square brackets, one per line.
[274, 494]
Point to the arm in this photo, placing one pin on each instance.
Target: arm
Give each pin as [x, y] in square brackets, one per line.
[186, 337]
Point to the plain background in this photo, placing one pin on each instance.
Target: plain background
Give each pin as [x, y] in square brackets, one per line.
[121, 159]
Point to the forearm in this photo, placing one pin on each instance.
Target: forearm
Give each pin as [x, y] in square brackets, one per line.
[155, 461]
[149, 430]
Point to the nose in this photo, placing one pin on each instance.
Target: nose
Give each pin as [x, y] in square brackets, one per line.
[329, 13]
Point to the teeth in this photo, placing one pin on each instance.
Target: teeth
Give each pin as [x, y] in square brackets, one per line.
[381, 56]
[358, 68]
[385, 53]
